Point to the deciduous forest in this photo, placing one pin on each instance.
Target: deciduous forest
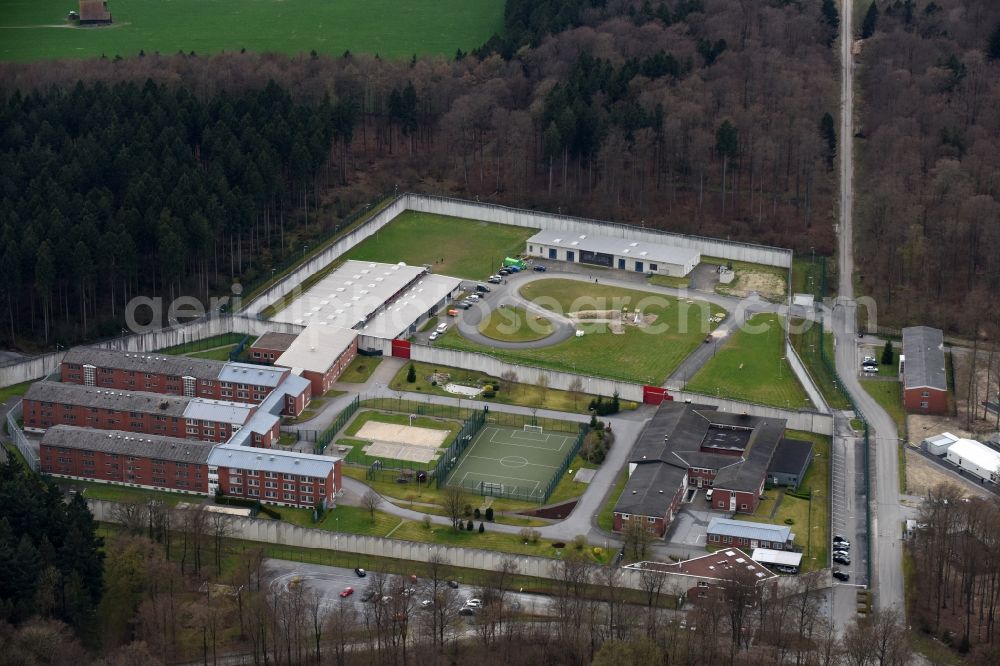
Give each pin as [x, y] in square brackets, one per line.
[928, 234]
[166, 174]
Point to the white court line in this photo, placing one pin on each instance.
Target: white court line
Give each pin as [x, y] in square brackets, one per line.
[497, 460]
[527, 446]
[521, 434]
[493, 479]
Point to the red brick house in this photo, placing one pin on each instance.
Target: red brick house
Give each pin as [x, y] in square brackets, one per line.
[270, 346]
[746, 534]
[320, 354]
[116, 456]
[922, 368]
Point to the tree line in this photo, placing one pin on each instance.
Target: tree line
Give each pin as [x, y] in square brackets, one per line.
[160, 175]
[929, 197]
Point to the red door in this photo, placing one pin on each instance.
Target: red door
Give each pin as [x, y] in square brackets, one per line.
[401, 348]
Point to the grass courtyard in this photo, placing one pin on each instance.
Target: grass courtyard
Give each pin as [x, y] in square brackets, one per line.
[469, 249]
[637, 354]
[360, 370]
[751, 366]
[515, 325]
[889, 395]
[36, 29]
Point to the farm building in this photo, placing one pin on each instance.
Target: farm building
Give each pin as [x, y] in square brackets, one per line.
[977, 459]
[686, 445]
[790, 462]
[320, 354]
[746, 534]
[94, 12]
[705, 576]
[381, 300]
[270, 346]
[938, 444]
[609, 252]
[782, 560]
[922, 367]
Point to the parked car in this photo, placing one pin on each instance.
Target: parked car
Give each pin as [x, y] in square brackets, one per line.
[433, 336]
[464, 305]
[465, 610]
[841, 575]
[426, 603]
[453, 584]
[869, 359]
[495, 279]
[361, 573]
[708, 495]
[474, 603]
[538, 268]
[348, 591]
[786, 570]
[503, 272]
[482, 288]
[442, 327]
[474, 297]
[842, 559]
[840, 539]
[514, 269]
[369, 595]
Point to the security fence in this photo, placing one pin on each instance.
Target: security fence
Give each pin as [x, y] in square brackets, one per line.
[327, 435]
[449, 459]
[29, 454]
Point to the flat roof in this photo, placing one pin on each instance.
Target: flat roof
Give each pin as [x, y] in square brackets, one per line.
[275, 341]
[976, 453]
[416, 301]
[156, 447]
[102, 398]
[272, 460]
[158, 363]
[749, 530]
[219, 411]
[619, 247]
[923, 348]
[249, 373]
[351, 294]
[785, 558]
[317, 348]
[718, 565]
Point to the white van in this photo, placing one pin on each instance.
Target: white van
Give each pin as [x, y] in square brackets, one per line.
[708, 495]
[442, 327]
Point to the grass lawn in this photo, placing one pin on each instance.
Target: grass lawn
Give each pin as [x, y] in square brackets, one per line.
[528, 395]
[889, 396]
[315, 406]
[351, 519]
[807, 344]
[646, 355]
[606, 518]
[429, 324]
[750, 366]
[454, 246]
[15, 390]
[217, 354]
[126, 494]
[203, 345]
[363, 417]
[670, 281]
[771, 282]
[515, 325]
[360, 369]
[387, 27]
[884, 369]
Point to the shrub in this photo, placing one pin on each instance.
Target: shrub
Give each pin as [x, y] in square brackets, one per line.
[476, 513]
[789, 521]
[489, 513]
[489, 394]
[558, 544]
[469, 526]
[597, 551]
[411, 374]
[481, 528]
[269, 512]
[579, 541]
[427, 522]
[467, 510]
[529, 535]
[434, 382]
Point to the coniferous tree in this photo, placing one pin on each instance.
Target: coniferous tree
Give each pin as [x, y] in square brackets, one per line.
[870, 21]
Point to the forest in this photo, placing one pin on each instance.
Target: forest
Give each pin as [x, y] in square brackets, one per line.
[928, 218]
[166, 174]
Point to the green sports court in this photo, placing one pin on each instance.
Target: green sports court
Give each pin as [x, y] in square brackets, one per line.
[513, 462]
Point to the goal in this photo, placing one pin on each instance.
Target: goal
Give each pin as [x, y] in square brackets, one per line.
[533, 428]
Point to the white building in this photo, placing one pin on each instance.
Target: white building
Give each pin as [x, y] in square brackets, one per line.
[938, 444]
[609, 252]
[975, 458]
[777, 558]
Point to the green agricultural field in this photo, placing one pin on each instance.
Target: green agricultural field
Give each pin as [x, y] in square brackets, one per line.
[751, 366]
[644, 355]
[36, 29]
[515, 325]
[452, 246]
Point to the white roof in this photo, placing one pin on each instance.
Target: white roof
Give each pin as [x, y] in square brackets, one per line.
[248, 373]
[272, 460]
[220, 411]
[943, 438]
[978, 454]
[350, 295]
[620, 247]
[414, 302]
[317, 348]
[780, 557]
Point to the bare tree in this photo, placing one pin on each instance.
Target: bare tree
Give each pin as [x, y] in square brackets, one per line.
[575, 389]
[132, 516]
[454, 500]
[543, 386]
[638, 537]
[370, 502]
[510, 379]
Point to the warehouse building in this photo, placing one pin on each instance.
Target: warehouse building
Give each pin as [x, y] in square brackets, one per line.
[975, 458]
[922, 367]
[320, 354]
[618, 253]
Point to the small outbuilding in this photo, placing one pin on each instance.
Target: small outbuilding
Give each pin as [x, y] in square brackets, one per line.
[790, 462]
[938, 444]
[782, 560]
[94, 12]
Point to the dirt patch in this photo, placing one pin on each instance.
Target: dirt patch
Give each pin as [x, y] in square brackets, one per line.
[768, 285]
[922, 475]
[615, 319]
[558, 511]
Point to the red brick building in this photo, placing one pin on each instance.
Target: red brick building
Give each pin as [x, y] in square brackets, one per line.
[176, 375]
[746, 534]
[276, 477]
[707, 576]
[48, 404]
[321, 354]
[922, 368]
[115, 456]
[687, 445]
[270, 346]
